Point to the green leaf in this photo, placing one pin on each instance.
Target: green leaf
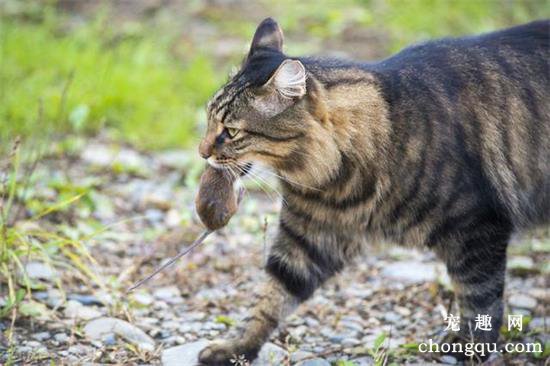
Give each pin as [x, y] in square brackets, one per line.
[379, 340]
[33, 309]
[222, 319]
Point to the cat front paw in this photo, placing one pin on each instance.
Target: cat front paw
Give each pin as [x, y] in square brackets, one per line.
[227, 353]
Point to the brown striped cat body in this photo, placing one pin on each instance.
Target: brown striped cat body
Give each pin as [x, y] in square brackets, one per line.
[444, 145]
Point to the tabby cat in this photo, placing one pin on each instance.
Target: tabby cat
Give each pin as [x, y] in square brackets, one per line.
[446, 145]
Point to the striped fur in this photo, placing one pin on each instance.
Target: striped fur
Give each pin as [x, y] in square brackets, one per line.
[445, 144]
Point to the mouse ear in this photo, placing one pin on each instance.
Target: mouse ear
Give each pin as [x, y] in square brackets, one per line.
[268, 35]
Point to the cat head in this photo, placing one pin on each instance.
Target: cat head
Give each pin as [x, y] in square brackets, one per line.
[261, 114]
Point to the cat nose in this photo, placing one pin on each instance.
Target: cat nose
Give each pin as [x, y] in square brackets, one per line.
[205, 149]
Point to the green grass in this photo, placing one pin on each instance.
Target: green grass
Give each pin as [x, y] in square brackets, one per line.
[92, 77]
[147, 85]
[415, 20]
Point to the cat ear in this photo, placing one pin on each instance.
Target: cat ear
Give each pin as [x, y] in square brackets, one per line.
[289, 79]
[268, 35]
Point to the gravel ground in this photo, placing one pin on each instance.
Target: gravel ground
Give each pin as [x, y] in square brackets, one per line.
[144, 203]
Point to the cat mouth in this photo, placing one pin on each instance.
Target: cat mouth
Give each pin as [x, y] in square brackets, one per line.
[230, 164]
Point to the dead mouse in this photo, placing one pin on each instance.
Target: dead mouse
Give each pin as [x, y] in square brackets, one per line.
[216, 201]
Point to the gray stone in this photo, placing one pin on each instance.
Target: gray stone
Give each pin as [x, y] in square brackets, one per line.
[85, 299]
[448, 360]
[522, 301]
[410, 272]
[314, 362]
[97, 329]
[42, 336]
[39, 270]
[80, 349]
[392, 317]
[350, 342]
[539, 323]
[521, 266]
[186, 354]
[271, 355]
[75, 310]
[143, 298]
[109, 339]
[364, 361]
[61, 337]
[299, 356]
[170, 294]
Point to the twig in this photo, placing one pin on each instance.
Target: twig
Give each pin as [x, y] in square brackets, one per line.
[195, 244]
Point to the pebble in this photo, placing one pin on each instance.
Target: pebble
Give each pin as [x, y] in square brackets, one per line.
[539, 322]
[39, 270]
[75, 310]
[85, 299]
[299, 356]
[520, 265]
[42, 336]
[143, 298]
[169, 294]
[98, 328]
[61, 337]
[364, 361]
[109, 339]
[410, 272]
[270, 354]
[80, 349]
[314, 362]
[522, 301]
[392, 317]
[448, 360]
[187, 354]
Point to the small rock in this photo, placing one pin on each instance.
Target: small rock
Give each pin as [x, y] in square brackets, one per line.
[522, 301]
[85, 299]
[74, 309]
[410, 272]
[39, 270]
[448, 360]
[154, 216]
[539, 323]
[299, 356]
[42, 336]
[80, 349]
[143, 298]
[186, 354]
[270, 355]
[364, 361]
[314, 362]
[24, 349]
[392, 317]
[170, 294]
[98, 328]
[520, 265]
[33, 344]
[109, 339]
[173, 218]
[61, 338]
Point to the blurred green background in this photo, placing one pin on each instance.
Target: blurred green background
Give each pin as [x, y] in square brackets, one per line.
[141, 71]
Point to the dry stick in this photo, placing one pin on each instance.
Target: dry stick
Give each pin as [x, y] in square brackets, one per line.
[195, 244]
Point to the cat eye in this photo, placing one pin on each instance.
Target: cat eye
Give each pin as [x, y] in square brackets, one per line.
[232, 132]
